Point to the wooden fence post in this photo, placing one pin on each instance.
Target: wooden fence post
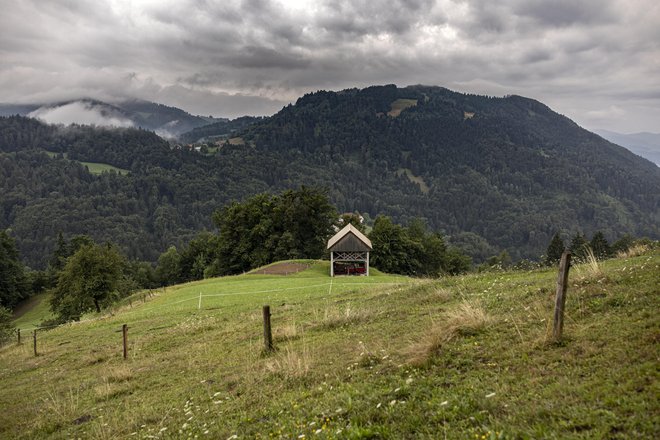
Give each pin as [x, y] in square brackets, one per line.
[34, 336]
[124, 331]
[268, 336]
[560, 301]
[18, 335]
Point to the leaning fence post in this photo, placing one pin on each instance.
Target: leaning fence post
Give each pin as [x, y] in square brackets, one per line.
[560, 301]
[124, 331]
[268, 336]
[34, 336]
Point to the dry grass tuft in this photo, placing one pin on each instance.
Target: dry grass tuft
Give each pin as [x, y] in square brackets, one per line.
[287, 332]
[467, 319]
[62, 408]
[590, 270]
[334, 317]
[289, 363]
[438, 295]
[119, 373]
[633, 251]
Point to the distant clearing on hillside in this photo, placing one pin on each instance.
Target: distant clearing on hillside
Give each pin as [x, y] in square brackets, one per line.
[236, 141]
[53, 155]
[423, 187]
[400, 105]
[99, 168]
[93, 167]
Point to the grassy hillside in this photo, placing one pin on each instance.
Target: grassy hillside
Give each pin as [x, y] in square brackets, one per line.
[98, 168]
[377, 357]
[33, 312]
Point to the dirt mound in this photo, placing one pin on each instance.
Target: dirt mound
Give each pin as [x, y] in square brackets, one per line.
[281, 269]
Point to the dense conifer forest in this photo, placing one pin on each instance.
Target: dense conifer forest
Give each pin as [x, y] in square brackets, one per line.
[491, 174]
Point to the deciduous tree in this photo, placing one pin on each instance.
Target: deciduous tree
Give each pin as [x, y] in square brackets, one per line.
[88, 281]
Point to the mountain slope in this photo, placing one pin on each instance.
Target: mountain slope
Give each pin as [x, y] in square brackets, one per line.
[644, 144]
[508, 169]
[493, 173]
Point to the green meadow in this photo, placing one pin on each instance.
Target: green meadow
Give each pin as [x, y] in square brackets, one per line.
[93, 167]
[98, 168]
[356, 357]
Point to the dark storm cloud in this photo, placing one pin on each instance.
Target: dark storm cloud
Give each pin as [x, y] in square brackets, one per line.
[561, 13]
[590, 59]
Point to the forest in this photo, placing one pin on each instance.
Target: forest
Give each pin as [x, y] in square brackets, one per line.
[498, 174]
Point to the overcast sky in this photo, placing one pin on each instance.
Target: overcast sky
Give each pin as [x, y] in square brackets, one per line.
[596, 61]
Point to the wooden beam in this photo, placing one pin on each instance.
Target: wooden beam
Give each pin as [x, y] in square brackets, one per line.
[560, 301]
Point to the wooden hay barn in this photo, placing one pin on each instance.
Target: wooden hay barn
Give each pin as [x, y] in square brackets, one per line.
[349, 252]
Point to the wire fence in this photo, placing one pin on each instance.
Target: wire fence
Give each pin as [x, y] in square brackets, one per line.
[147, 308]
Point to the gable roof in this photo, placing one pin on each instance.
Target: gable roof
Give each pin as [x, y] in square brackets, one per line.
[349, 229]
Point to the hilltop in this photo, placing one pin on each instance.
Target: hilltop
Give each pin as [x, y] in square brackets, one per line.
[376, 357]
[165, 120]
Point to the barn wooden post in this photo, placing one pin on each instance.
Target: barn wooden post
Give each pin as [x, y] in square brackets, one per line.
[560, 301]
[332, 264]
[124, 331]
[268, 336]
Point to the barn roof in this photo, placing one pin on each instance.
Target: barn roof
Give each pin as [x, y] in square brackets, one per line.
[349, 229]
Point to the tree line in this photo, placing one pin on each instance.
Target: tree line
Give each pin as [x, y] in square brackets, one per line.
[85, 276]
[581, 248]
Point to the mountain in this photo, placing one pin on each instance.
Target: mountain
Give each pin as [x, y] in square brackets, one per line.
[223, 129]
[491, 173]
[643, 144]
[166, 121]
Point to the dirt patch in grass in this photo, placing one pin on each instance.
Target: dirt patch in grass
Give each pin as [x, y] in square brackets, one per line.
[281, 269]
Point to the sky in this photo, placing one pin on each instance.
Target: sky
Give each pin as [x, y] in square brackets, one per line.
[595, 61]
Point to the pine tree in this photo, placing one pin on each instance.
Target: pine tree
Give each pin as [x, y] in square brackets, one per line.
[555, 250]
[579, 246]
[600, 246]
[14, 285]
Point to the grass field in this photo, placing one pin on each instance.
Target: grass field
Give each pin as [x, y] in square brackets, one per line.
[376, 357]
[98, 168]
[400, 105]
[93, 167]
[37, 310]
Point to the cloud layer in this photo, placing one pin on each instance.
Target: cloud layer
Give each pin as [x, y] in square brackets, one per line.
[80, 112]
[597, 61]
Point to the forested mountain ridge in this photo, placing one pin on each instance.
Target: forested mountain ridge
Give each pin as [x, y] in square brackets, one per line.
[492, 173]
[165, 120]
[508, 169]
